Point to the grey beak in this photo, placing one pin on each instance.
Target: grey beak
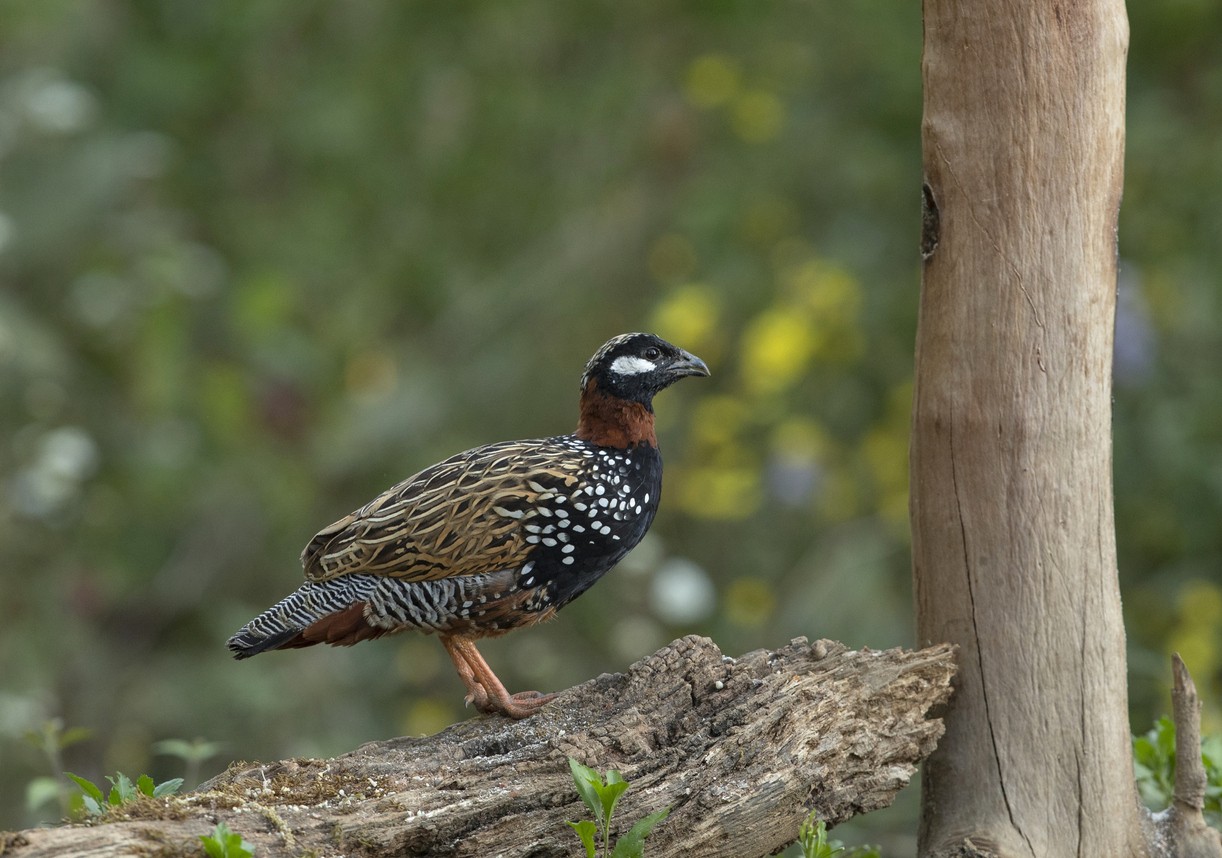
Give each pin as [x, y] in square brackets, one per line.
[688, 364]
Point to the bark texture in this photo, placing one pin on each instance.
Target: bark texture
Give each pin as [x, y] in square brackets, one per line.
[1186, 835]
[1014, 553]
[740, 750]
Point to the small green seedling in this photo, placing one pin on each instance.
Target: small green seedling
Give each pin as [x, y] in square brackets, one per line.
[812, 838]
[223, 843]
[601, 796]
[50, 739]
[122, 790]
[193, 754]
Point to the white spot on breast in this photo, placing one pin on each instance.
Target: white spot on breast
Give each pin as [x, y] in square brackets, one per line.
[568, 561]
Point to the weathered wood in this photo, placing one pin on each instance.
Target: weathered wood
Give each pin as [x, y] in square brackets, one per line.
[1187, 834]
[741, 750]
[1014, 550]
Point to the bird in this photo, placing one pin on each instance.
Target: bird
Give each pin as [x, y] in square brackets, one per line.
[494, 538]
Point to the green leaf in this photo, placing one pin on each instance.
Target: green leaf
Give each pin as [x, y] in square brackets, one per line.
[632, 844]
[93, 806]
[1164, 737]
[40, 791]
[169, 787]
[122, 789]
[609, 796]
[180, 748]
[212, 846]
[195, 751]
[145, 784]
[587, 831]
[585, 779]
[73, 735]
[1145, 752]
[224, 843]
[88, 787]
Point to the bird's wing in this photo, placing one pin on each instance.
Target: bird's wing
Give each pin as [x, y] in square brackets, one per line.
[464, 516]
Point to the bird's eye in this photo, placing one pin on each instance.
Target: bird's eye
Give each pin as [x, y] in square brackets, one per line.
[653, 353]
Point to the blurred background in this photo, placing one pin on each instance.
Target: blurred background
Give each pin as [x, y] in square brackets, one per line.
[259, 261]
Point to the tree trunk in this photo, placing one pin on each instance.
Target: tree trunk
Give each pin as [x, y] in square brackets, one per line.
[1014, 553]
[740, 750]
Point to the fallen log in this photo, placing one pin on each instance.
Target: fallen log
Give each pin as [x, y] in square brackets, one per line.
[741, 750]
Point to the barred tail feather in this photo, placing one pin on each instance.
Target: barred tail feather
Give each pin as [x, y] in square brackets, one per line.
[331, 612]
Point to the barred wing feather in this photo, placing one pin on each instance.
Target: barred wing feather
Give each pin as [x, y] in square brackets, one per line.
[463, 516]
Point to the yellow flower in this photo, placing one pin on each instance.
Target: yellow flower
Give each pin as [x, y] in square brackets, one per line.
[720, 493]
[757, 116]
[776, 348]
[712, 80]
[718, 420]
[830, 292]
[687, 316]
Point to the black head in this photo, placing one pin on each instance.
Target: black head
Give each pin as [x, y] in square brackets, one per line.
[636, 366]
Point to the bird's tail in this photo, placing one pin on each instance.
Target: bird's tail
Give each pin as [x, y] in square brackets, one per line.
[333, 612]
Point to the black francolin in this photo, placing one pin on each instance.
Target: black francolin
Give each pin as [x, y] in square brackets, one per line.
[495, 538]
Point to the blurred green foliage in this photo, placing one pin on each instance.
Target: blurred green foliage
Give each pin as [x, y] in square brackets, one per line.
[1154, 764]
[258, 261]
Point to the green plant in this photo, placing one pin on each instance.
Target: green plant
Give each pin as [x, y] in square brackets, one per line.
[192, 753]
[1154, 768]
[814, 843]
[223, 843]
[812, 837]
[122, 790]
[50, 739]
[601, 796]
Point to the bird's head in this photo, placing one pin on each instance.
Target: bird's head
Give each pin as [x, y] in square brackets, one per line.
[634, 367]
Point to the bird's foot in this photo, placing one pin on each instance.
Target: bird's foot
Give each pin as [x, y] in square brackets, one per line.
[517, 706]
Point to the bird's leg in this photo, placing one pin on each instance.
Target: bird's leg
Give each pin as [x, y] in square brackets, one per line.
[491, 695]
[475, 692]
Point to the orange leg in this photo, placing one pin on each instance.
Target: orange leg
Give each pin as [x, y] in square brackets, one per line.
[483, 688]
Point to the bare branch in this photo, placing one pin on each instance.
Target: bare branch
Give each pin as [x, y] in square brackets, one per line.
[1189, 837]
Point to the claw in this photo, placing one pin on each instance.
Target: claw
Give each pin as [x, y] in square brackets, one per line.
[484, 690]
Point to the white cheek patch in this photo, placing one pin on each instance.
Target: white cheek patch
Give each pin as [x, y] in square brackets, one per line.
[628, 365]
